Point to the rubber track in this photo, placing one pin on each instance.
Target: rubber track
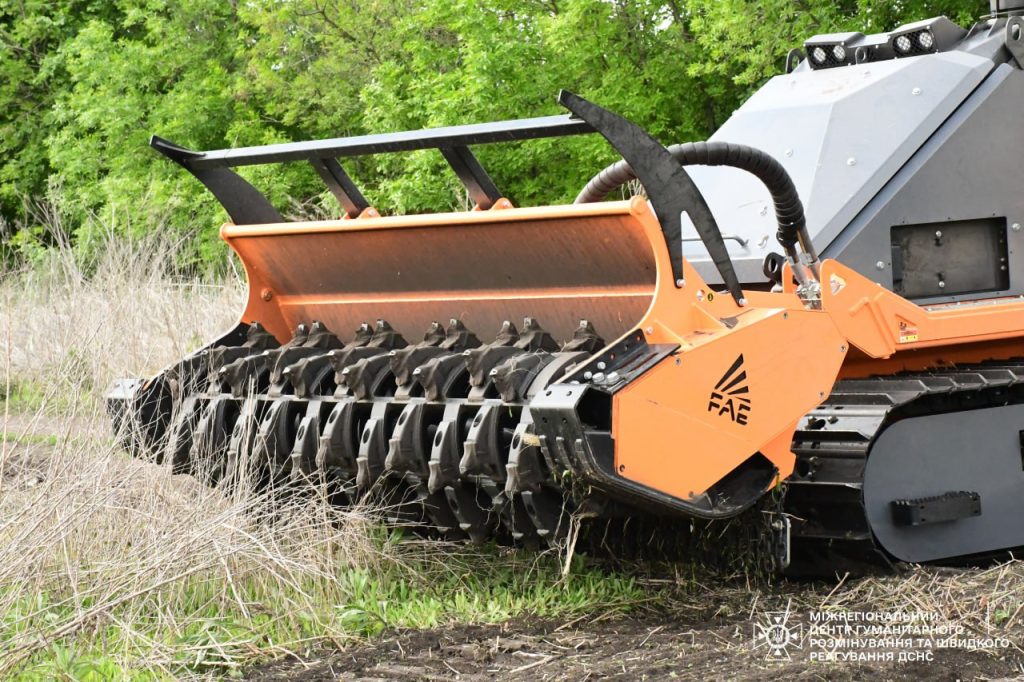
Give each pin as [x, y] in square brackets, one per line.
[824, 497]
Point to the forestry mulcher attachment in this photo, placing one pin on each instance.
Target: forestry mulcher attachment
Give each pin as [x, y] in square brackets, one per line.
[488, 373]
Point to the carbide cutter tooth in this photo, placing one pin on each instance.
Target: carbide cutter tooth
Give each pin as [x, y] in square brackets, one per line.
[487, 441]
[454, 339]
[405, 451]
[179, 441]
[584, 339]
[364, 378]
[438, 376]
[339, 443]
[513, 378]
[303, 454]
[316, 341]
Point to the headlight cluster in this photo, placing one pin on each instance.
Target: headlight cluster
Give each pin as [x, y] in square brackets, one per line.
[918, 42]
[922, 37]
[831, 50]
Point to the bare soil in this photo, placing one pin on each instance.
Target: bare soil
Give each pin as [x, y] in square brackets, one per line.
[652, 646]
[710, 635]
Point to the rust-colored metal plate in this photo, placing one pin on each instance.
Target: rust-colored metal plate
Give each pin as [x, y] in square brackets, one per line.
[559, 264]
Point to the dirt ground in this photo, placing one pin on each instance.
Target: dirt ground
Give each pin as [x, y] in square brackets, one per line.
[717, 635]
[651, 647]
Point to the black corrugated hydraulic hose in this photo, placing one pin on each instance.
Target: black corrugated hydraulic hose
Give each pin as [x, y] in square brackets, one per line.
[789, 210]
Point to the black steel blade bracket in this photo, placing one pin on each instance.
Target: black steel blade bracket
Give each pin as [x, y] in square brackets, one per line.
[245, 204]
[668, 186]
[341, 186]
[474, 178]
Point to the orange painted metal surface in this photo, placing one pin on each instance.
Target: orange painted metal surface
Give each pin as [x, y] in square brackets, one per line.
[689, 421]
[559, 265]
[882, 324]
[741, 379]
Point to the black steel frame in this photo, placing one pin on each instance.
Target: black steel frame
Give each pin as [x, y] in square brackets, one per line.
[246, 205]
[668, 186]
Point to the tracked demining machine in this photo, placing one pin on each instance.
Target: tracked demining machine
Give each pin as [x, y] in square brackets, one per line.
[489, 373]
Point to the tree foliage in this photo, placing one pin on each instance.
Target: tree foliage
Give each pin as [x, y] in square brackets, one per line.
[83, 83]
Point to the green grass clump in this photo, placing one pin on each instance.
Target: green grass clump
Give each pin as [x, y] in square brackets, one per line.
[202, 624]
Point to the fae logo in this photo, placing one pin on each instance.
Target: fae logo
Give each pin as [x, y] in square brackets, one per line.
[729, 395]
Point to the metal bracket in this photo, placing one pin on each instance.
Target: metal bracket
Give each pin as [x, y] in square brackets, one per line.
[734, 237]
[781, 541]
[1014, 36]
[474, 178]
[668, 186]
[950, 506]
[243, 202]
[793, 59]
[341, 186]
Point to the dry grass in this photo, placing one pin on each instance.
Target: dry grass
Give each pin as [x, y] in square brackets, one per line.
[90, 541]
[985, 601]
[63, 330]
[112, 568]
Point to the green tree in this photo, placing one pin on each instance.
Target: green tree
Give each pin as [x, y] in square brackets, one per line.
[83, 85]
[31, 72]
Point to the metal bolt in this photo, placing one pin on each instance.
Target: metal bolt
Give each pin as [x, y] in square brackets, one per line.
[588, 375]
[601, 365]
[942, 285]
[680, 282]
[1015, 227]
[742, 302]
[700, 295]
[842, 348]
[851, 161]
[649, 330]
[599, 378]
[938, 234]
[789, 152]
[915, 92]
[266, 294]
[762, 242]
[613, 377]
[880, 265]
